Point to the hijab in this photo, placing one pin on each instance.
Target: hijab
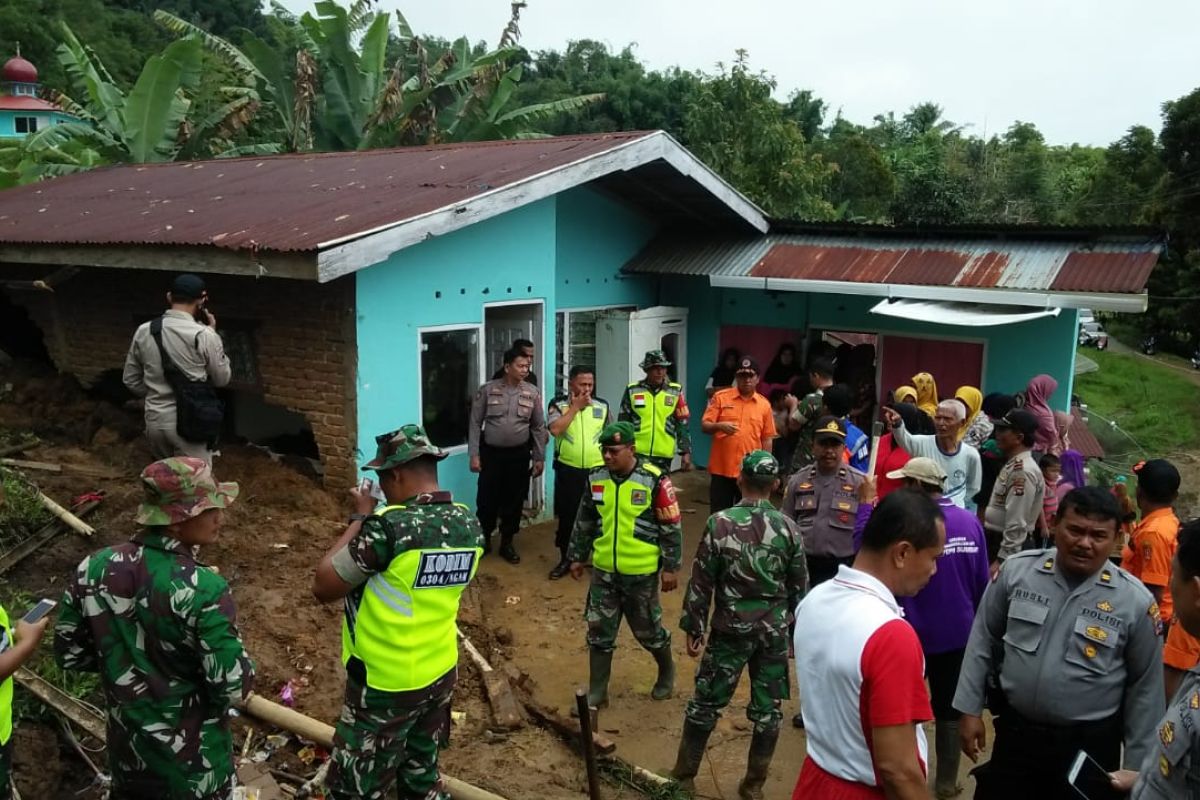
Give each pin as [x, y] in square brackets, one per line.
[779, 372]
[1072, 469]
[996, 405]
[1037, 402]
[927, 395]
[972, 398]
[723, 375]
[905, 394]
[916, 421]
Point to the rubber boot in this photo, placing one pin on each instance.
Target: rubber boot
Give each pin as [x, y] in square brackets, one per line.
[665, 685]
[599, 669]
[762, 748]
[691, 752]
[946, 749]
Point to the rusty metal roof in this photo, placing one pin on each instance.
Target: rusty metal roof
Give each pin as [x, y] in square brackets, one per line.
[1082, 438]
[297, 202]
[1117, 264]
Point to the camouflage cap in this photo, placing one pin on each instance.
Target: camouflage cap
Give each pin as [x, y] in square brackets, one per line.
[618, 433]
[180, 488]
[655, 358]
[760, 462]
[401, 446]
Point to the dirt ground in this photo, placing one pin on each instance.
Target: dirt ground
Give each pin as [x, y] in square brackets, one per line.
[271, 542]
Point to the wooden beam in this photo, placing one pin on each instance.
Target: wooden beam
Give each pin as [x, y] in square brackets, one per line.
[19, 447]
[506, 713]
[63, 703]
[48, 533]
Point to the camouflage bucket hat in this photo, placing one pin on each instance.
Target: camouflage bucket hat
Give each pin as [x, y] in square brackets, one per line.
[655, 358]
[618, 433]
[401, 446]
[760, 462]
[180, 488]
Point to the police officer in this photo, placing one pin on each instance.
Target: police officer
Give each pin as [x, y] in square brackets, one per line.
[628, 523]
[1074, 642]
[401, 570]
[575, 420]
[508, 430]
[751, 561]
[659, 414]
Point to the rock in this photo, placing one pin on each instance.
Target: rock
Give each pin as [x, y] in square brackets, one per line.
[504, 635]
[106, 437]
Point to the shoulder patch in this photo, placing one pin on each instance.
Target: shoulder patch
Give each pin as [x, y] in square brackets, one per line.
[443, 568]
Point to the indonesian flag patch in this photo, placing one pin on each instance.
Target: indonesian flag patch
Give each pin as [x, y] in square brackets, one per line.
[597, 493]
[639, 400]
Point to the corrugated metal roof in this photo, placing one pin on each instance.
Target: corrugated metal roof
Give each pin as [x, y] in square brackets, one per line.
[1115, 264]
[1081, 437]
[285, 203]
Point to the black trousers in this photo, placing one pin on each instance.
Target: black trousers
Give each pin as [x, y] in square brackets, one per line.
[822, 568]
[723, 493]
[569, 485]
[942, 670]
[1030, 760]
[503, 487]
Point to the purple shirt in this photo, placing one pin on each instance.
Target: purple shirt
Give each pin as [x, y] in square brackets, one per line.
[942, 612]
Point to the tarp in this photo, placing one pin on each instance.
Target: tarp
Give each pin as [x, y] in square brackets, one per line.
[972, 315]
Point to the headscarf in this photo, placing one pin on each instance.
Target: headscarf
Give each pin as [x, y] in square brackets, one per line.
[927, 395]
[904, 394]
[972, 398]
[723, 375]
[996, 405]
[916, 421]
[1037, 402]
[777, 371]
[1071, 462]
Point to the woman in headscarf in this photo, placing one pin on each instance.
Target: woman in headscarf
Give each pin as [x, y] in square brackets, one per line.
[784, 368]
[722, 376]
[1037, 402]
[927, 394]
[891, 456]
[904, 394]
[977, 427]
[1063, 421]
[1073, 474]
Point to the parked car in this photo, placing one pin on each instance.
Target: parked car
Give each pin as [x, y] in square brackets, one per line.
[1086, 316]
[1092, 334]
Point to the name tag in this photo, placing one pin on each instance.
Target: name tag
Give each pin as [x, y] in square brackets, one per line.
[442, 569]
[669, 400]
[597, 412]
[597, 493]
[639, 400]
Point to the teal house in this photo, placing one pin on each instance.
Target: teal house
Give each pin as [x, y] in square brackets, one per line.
[22, 109]
[360, 291]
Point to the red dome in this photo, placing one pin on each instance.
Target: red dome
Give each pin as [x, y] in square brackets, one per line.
[18, 70]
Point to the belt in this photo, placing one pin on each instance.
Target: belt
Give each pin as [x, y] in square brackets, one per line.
[516, 448]
[1064, 732]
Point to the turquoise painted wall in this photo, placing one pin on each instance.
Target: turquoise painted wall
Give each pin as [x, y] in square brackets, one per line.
[566, 251]
[8, 128]
[1014, 354]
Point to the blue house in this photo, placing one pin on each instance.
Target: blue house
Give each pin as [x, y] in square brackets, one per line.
[22, 109]
[359, 291]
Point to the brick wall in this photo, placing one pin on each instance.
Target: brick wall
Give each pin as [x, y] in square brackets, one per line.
[303, 333]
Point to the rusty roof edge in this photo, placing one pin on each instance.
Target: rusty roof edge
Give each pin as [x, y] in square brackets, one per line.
[205, 258]
[1015, 232]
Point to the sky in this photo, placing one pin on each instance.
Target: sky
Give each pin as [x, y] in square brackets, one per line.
[1082, 71]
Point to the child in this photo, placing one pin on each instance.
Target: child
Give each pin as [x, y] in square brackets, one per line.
[16, 646]
[1052, 472]
[1120, 491]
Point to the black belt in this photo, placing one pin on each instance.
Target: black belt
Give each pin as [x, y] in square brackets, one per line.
[1064, 732]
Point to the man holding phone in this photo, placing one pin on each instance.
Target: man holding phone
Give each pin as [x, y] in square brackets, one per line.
[16, 647]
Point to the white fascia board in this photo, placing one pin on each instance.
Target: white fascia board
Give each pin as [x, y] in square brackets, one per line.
[348, 254]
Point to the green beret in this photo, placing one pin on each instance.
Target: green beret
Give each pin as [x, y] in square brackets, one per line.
[618, 433]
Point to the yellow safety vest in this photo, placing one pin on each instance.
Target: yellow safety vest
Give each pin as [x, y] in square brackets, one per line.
[403, 628]
[6, 688]
[628, 540]
[579, 445]
[653, 410]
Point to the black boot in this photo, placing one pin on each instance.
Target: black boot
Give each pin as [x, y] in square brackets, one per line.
[762, 748]
[560, 569]
[507, 551]
[666, 674]
[691, 752]
[487, 544]
[599, 669]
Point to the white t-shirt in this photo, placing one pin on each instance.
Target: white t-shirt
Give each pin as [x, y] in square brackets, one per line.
[964, 471]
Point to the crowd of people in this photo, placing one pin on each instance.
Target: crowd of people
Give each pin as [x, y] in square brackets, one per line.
[961, 561]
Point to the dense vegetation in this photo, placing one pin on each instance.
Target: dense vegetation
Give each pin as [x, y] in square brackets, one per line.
[209, 78]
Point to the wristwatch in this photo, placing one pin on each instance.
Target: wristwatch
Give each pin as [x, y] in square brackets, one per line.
[358, 517]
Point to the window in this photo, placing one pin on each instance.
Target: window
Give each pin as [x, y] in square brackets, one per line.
[26, 124]
[449, 378]
[575, 340]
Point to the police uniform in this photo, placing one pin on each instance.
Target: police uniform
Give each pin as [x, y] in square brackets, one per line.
[576, 453]
[508, 430]
[629, 525]
[659, 416]
[824, 507]
[1079, 667]
[1172, 769]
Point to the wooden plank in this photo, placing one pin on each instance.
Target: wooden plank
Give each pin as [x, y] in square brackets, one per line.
[19, 447]
[37, 466]
[86, 470]
[48, 533]
[567, 729]
[506, 713]
[63, 703]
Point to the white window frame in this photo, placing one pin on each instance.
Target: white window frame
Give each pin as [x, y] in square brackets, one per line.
[567, 332]
[28, 121]
[477, 327]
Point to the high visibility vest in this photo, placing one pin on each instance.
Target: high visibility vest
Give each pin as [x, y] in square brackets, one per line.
[653, 412]
[579, 445]
[628, 540]
[6, 688]
[403, 627]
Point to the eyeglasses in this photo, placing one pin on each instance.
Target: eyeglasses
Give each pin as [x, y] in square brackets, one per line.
[613, 449]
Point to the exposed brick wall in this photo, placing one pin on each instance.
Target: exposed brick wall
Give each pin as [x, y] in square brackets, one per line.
[304, 337]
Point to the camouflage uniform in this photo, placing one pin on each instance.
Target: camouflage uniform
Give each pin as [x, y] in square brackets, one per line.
[674, 426]
[159, 627]
[384, 738]
[808, 412]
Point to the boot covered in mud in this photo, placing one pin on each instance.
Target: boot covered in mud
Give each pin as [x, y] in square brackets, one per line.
[762, 749]
[691, 752]
[599, 670]
[665, 685]
[947, 751]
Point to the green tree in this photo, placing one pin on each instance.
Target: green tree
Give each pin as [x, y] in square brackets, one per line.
[862, 186]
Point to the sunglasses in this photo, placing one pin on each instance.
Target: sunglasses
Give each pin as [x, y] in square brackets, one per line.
[613, 449]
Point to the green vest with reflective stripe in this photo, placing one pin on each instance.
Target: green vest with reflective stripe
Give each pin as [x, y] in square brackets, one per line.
[6, 688]
[628, 540]
[579, 444]
[652, 411]
[404, 626]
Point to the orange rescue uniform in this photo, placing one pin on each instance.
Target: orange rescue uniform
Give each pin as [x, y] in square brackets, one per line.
[755, 422]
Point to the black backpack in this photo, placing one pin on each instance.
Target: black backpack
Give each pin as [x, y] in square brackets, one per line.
[198, 409]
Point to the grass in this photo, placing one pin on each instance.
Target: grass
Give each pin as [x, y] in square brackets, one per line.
[1155, 406]
[21, 512]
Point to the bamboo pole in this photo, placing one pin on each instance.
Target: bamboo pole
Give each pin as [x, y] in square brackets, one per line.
[44, 536]
[74, 522]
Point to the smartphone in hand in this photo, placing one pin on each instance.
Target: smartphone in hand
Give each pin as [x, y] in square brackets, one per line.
[43, 608]
[1090, 780]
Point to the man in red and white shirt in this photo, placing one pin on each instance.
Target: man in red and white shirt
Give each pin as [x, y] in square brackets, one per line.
[860, 667]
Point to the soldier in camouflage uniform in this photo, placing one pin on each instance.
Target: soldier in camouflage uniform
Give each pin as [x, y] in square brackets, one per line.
[807, 411]
[159, 627]
[750, 561]
[628, 523]
[402, 570]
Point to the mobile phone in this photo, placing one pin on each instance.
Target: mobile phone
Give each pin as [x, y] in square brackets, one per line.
[1090, 780]
[366, 485]
[43, 608]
